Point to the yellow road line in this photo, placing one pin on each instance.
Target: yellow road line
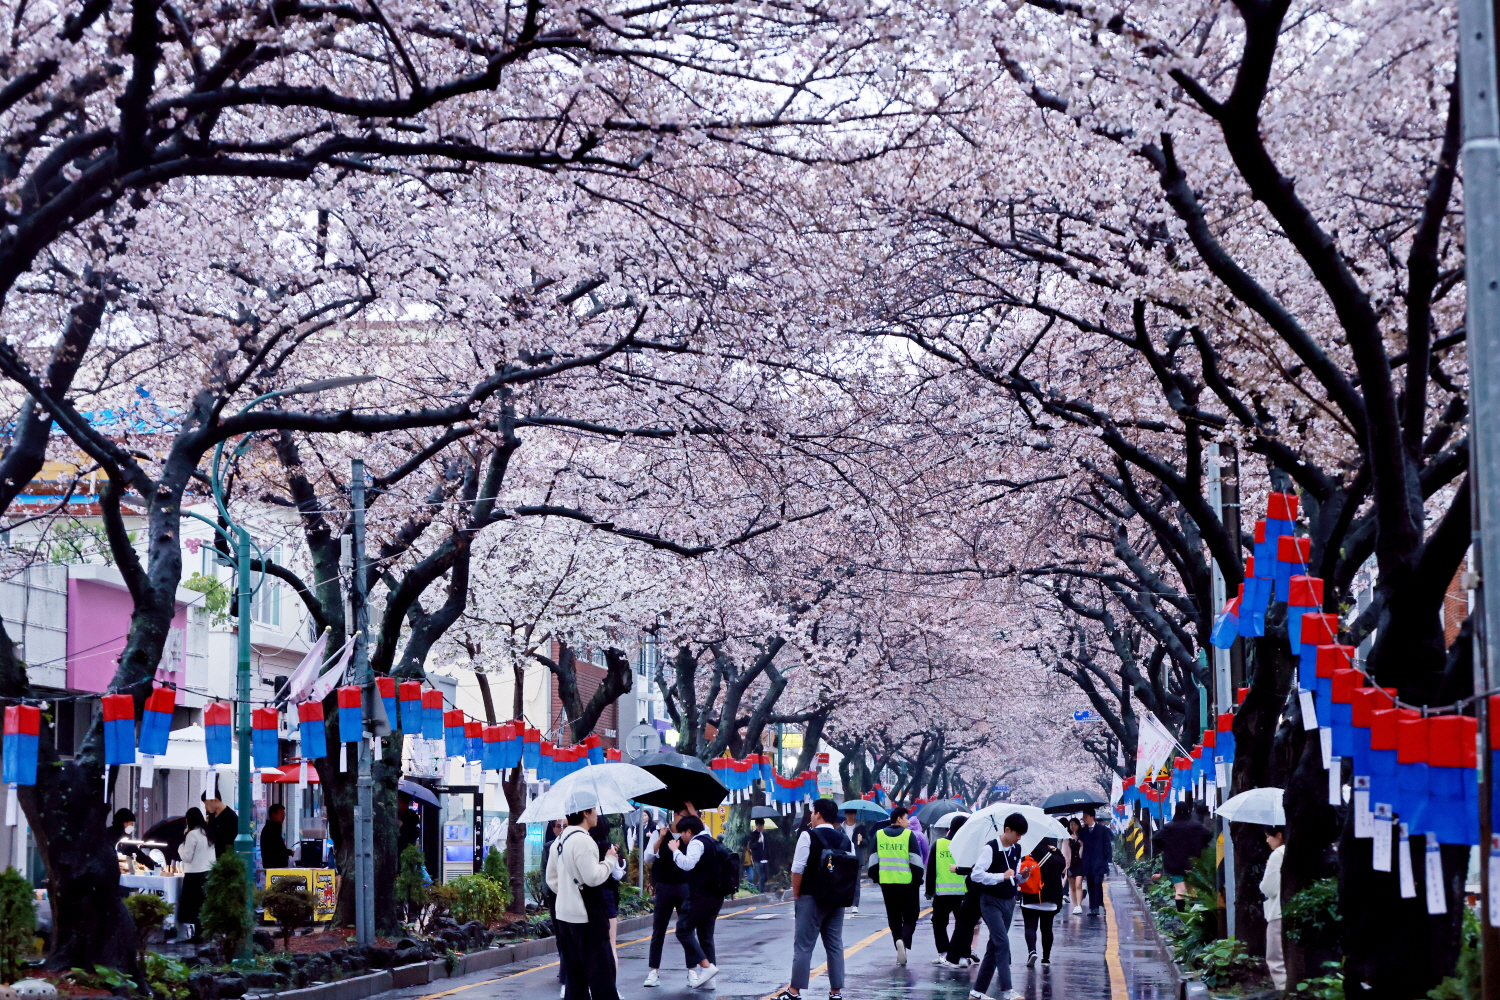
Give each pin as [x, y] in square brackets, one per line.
[1117, 990]
[553, 965]
[856, 948]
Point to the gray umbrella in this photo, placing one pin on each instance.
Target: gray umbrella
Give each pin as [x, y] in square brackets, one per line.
[419, 792]
[933, 811]
[1074, 801]
[764, 812]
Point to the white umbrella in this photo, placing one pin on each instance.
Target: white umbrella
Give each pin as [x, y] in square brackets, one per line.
[1258, 805]
[945, 821]
[607, 787]
[985, 825]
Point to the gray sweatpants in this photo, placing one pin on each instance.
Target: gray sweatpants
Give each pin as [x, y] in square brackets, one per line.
[814, 921]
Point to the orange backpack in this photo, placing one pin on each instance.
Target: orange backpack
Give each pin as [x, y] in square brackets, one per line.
[1029, 878]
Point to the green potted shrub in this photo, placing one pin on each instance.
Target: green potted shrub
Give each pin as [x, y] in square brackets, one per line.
[17, 924]
[149, 911]
[226, 899]
[291, 906]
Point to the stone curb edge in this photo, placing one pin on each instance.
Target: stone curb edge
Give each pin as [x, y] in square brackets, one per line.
[421, 973]
[1163, 951]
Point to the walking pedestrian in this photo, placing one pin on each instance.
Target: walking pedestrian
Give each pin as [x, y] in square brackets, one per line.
[695, 932]
[947, 889]
[898, 869]
[1041, 896]
[574, 872]
[1096, 851]
[671, 894]
[1073, 849]
[610, 890]
[855, 831]
[1270, 887]
[273, 849]
[197, 857]
[995, 873]
[817, 918]
[760, 864]
[1181, 841]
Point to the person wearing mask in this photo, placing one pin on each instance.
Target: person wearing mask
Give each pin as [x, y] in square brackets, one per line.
[856, 834]
[760, 864]
[671, 891]
[1073, 851]
[1270, 887]
[696, 933]
[610, 890]
[410, 823]
[1097, 841]
[947, 889]
[197, 857]
[223, 824]
[897, 867]
[123, 828]
[1039, 908]
[1180, 842]
[814, 920]
[273, 850]
[574, 873]
[995, 874]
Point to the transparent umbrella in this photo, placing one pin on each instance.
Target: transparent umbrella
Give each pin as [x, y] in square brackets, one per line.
[985, 825]
[1258, 805]
[607, 788]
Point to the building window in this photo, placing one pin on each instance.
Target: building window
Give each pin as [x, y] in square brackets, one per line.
[265, 604]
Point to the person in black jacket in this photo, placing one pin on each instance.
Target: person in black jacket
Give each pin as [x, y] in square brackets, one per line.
[1180, 843]
[760, 863]
[223, 824]
[273, 850]
[1039, 909]
[670, 884]
[995, 874]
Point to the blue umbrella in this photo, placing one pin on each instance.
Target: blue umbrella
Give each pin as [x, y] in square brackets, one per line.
[867, 807]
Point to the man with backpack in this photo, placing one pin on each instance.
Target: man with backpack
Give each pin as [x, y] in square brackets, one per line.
[574, 871]
[898, 869]
[713, 873]
[825, 871]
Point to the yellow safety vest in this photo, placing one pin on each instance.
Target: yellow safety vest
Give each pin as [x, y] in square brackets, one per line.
[895, 857]
[949, 882]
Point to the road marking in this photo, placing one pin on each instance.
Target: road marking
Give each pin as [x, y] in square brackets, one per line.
[857, 947]
[553, 965]
[1117, 990]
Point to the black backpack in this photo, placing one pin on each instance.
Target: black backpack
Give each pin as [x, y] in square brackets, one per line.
[835, 870]
[720, 867]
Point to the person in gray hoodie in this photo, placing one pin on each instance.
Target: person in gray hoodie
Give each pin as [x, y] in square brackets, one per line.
[575, 872]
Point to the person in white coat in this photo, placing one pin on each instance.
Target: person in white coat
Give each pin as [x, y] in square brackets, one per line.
[197, 857]
[575, 872]
[1270, 887]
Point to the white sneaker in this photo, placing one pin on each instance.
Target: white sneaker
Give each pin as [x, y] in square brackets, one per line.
[705, 975]
[562, 993]
[1077, 910]
[964, 963]
[652, 979]
[1012, 995]
[900, 953]
[692, 977]
[853, 909]
[976, 995]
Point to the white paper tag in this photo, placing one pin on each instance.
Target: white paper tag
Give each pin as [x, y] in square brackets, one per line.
[1335, 780]
[1363, 825]
[1494, 880]
[1381, 861]
[1408, 883]
[148, 770]
[1309, 712]
[1325, 738]
[12, 806]
[343, 758]
[258, 787]
[1437, 899]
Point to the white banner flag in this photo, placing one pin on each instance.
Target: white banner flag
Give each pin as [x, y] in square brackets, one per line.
[1153, 747]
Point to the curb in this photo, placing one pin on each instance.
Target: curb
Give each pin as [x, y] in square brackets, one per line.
[422, 973]
[1186, 988]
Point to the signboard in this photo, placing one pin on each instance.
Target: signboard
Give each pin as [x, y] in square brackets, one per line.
[642, 739]
[321, 884]
[791, 741]
[1002, 789]
[1087, 715]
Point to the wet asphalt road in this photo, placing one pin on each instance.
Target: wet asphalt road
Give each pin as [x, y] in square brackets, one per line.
[1094, 958]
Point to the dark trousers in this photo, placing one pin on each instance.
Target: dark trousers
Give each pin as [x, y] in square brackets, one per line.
[1096, 891]
[944, 907]
[695, 932]
[585, 956]
[997, 914]
[190, 899]
[902, 904]
[1034, 919]
[669, 897]
[962, 945]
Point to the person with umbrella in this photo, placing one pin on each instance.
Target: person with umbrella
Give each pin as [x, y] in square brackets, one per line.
[859, 834]
[947, 889]
[898, 870]
[1181, 841]
[760, 863]
[574, 873]
[995, 874]
[696, 932]
[1097, 844]
[671, 891]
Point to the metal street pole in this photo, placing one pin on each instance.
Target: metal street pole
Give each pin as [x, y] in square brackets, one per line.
[1481, 172]
[1229, 664]
[364, 809]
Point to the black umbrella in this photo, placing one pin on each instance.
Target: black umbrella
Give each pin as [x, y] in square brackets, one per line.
[1074, 801]
[764, 812]
[688, 779]
[171, 832]
[934, 811]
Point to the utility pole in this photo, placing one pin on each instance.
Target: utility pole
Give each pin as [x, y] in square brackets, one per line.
[364, 808]
[1229, 664]
[1481, 172]
[244, 840]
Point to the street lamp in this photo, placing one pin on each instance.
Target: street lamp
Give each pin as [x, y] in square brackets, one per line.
[244, 841]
